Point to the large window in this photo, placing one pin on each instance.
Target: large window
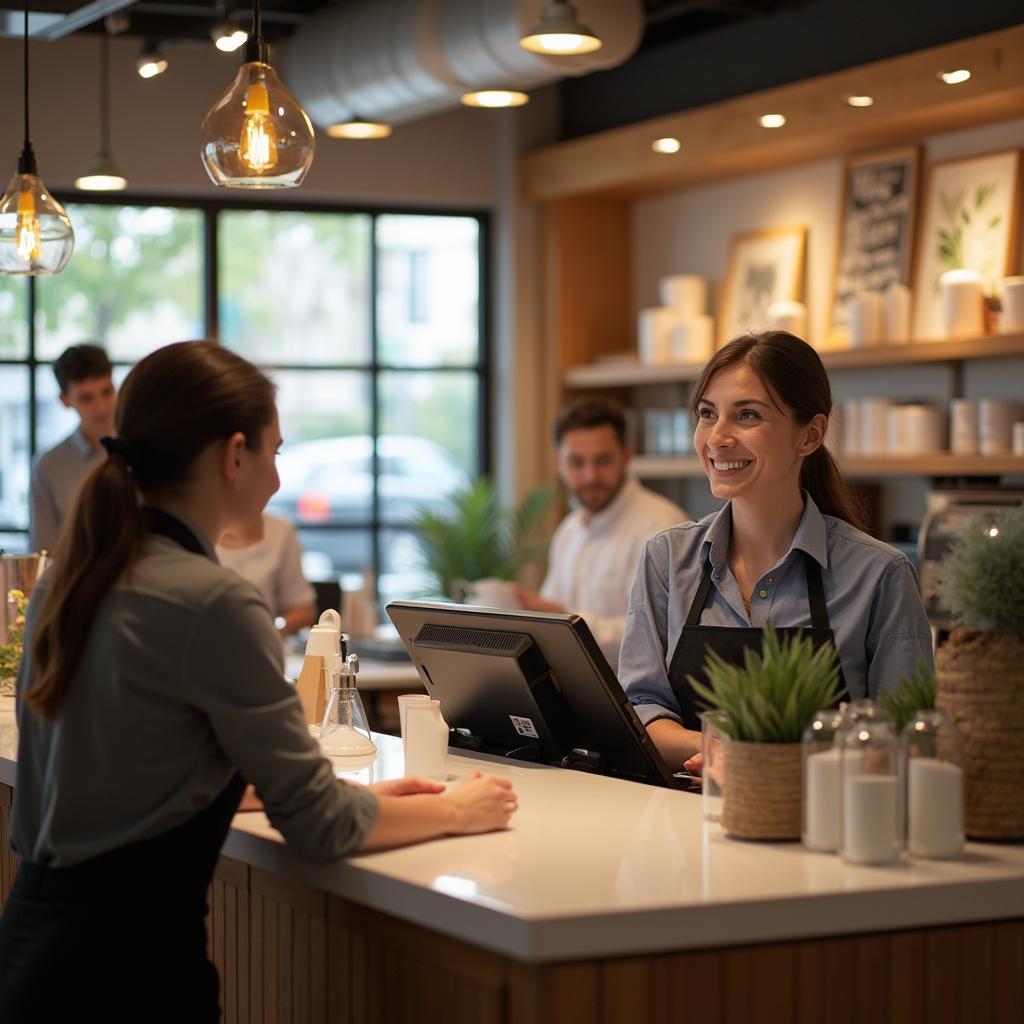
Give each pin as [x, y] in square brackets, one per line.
[369, 322]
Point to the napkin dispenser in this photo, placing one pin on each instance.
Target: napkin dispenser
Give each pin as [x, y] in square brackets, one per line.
[323, 656]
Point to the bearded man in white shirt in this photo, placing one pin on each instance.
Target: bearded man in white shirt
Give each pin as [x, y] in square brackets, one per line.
[598, 545]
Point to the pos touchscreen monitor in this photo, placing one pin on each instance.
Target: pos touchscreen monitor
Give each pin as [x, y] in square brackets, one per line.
[528, 685]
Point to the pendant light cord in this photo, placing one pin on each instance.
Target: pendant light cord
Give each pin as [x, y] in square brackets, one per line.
[255, 48]
[27, 160]
[27, 143]
[105, 95]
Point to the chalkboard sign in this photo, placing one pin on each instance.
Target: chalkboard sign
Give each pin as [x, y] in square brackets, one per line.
[876, 227]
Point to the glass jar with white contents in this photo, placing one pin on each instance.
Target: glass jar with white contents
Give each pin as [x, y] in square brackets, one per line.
[872, 801]
[935, 785]
[821, 766]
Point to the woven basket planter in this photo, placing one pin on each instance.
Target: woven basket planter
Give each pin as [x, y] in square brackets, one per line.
[763, 790]
[980, 679]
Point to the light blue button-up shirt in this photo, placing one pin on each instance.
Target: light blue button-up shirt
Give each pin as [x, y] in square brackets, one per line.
[871, 590]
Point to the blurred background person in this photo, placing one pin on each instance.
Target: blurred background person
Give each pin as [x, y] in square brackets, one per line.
[84, 376]
[272, 562]
[597, 547]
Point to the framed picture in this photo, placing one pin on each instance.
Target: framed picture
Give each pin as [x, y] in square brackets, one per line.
[969, 220]
[876, 228]
[764, 267]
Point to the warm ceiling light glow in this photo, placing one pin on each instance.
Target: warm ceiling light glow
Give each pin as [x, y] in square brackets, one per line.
[359, 130]
[560, 31]
[666, 145]
[101, 183]
[150, 63]
[860, 101]
[493, 98]
[955, 77]
[773, 120]
[228, 37]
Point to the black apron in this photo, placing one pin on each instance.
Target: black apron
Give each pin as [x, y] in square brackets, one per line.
[730, 642]
[122, 936]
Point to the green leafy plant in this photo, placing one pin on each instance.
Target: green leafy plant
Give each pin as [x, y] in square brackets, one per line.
[773, 696]
[913, 693]
[965, 213]
[476, 536]
[10, 650]
[981, 580]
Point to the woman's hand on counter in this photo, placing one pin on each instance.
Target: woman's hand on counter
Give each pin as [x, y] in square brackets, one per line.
[484, 803]
[410, 814]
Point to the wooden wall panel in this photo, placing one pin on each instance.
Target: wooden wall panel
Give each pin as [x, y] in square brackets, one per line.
[288, 961]
[229, 938]
[8, 862]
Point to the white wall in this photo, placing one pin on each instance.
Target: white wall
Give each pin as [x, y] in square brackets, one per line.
[689, 232]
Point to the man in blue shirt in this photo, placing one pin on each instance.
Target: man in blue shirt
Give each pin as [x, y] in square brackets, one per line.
[84, 375]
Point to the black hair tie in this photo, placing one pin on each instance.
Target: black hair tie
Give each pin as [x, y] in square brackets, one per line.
[123, 448]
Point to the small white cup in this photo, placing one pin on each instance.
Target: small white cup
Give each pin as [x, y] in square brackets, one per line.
[867, 319]
[963, 303]
[404, 700]
[1012, 319]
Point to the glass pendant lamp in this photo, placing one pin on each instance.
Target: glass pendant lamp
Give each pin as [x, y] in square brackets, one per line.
[36, 236]
[256, 135]
[104, 176]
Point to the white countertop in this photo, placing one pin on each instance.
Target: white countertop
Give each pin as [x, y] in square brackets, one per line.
[597, 867]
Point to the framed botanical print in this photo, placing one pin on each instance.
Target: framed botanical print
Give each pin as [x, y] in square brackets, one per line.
[764, 267]
[969, 220]
[876, 228]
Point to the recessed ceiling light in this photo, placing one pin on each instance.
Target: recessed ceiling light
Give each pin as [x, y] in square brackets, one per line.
[494, 98]
[773, 120]
[359, 129]
[666, 145]
[560, 31]
[150, 62]
[860, 101]
[955, 77]
[228, 37]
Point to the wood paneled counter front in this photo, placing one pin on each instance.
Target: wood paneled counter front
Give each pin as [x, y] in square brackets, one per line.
[606, 901]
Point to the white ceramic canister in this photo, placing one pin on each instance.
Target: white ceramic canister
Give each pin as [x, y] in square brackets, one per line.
[996, 417]
[963, 426]
[923, 429]
[787, 315]
[963, 303]
[853, 418]
[867, 319]
[687, 294]
[692, 339]
[874, 414]
[1011, 321]
[655, 335]
[426, 740]
[897, 312]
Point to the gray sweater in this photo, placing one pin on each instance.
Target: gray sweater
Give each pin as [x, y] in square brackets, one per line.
[180, 684]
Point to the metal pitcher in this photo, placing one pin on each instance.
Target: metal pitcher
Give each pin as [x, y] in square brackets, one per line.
[18, 572]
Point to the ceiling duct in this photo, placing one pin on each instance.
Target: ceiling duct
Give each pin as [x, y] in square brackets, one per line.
[396, 60]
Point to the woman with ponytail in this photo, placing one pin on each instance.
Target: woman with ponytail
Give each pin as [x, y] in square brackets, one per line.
[152, 686]
[788, 548]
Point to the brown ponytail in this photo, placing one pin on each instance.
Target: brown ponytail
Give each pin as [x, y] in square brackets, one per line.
[793, 374]
[173, 405]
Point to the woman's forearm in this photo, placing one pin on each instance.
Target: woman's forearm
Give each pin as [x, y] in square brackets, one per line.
[675, 743]
[411, 819]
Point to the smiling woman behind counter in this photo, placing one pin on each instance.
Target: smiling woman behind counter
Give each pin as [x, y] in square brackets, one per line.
[788, 548]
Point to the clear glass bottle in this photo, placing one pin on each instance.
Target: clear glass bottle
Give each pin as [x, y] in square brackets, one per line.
[345, 731]
[872, 803]
[933, 754]
[821, 757]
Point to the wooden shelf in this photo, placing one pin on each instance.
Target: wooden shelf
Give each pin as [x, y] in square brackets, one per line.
[664, 467]
[621, 374]
[725, 139]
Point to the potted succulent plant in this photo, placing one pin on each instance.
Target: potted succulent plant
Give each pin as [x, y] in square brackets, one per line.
[980, 670]
[768, 702]
[913, 693]
[477, 537]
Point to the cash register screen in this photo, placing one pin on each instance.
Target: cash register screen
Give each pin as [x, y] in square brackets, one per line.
[531, 685]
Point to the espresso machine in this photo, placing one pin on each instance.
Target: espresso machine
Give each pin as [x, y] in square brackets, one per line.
[948, 512]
